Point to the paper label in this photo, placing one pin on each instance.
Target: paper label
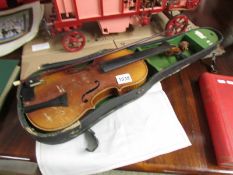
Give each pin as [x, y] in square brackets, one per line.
[229, 82]
[200, 35]
[209, 42]
[221, 81]
[225, 81]
[123, 78]
[38, 47]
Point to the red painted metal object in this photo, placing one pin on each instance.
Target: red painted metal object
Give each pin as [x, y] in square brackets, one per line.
[113, 16]
[176, 25]
[74, 41]
[183, 4]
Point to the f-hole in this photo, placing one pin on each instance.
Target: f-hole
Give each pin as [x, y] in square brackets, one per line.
[85, 100]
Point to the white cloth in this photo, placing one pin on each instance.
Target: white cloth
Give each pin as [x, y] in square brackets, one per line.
[138, 131]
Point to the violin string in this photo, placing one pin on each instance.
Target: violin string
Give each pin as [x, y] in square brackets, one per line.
[49, 68]
[94, 56]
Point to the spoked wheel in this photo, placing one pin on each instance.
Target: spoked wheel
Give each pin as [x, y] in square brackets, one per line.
[73, 41]
[177, 25]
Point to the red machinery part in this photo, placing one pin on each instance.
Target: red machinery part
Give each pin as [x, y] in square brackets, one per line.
[183, 4]
[3, 4]
[176, 25]
[145, 20]
[192, 4]
[73, 41]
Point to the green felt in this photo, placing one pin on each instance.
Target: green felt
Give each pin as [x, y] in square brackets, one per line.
[8, 72]
[198, 39]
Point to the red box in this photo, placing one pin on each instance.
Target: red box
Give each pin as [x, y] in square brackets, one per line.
[217, 95]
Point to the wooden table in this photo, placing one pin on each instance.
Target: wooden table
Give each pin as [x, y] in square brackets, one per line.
[183, 91]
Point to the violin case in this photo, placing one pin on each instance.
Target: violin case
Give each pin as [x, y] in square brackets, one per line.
[202, 41]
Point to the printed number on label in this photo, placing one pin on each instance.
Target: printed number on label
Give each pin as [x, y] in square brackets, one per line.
[123, 78]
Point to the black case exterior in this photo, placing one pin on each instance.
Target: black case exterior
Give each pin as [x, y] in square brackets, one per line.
[94, 116]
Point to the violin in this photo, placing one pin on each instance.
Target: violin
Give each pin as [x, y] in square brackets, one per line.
[63, 97]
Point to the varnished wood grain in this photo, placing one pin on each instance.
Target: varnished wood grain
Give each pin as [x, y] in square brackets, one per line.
[84, 88]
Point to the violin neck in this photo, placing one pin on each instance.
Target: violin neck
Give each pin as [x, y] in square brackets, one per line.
[136, 56]
[97, 54]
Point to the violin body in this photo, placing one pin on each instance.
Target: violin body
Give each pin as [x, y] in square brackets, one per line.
[83, 89]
